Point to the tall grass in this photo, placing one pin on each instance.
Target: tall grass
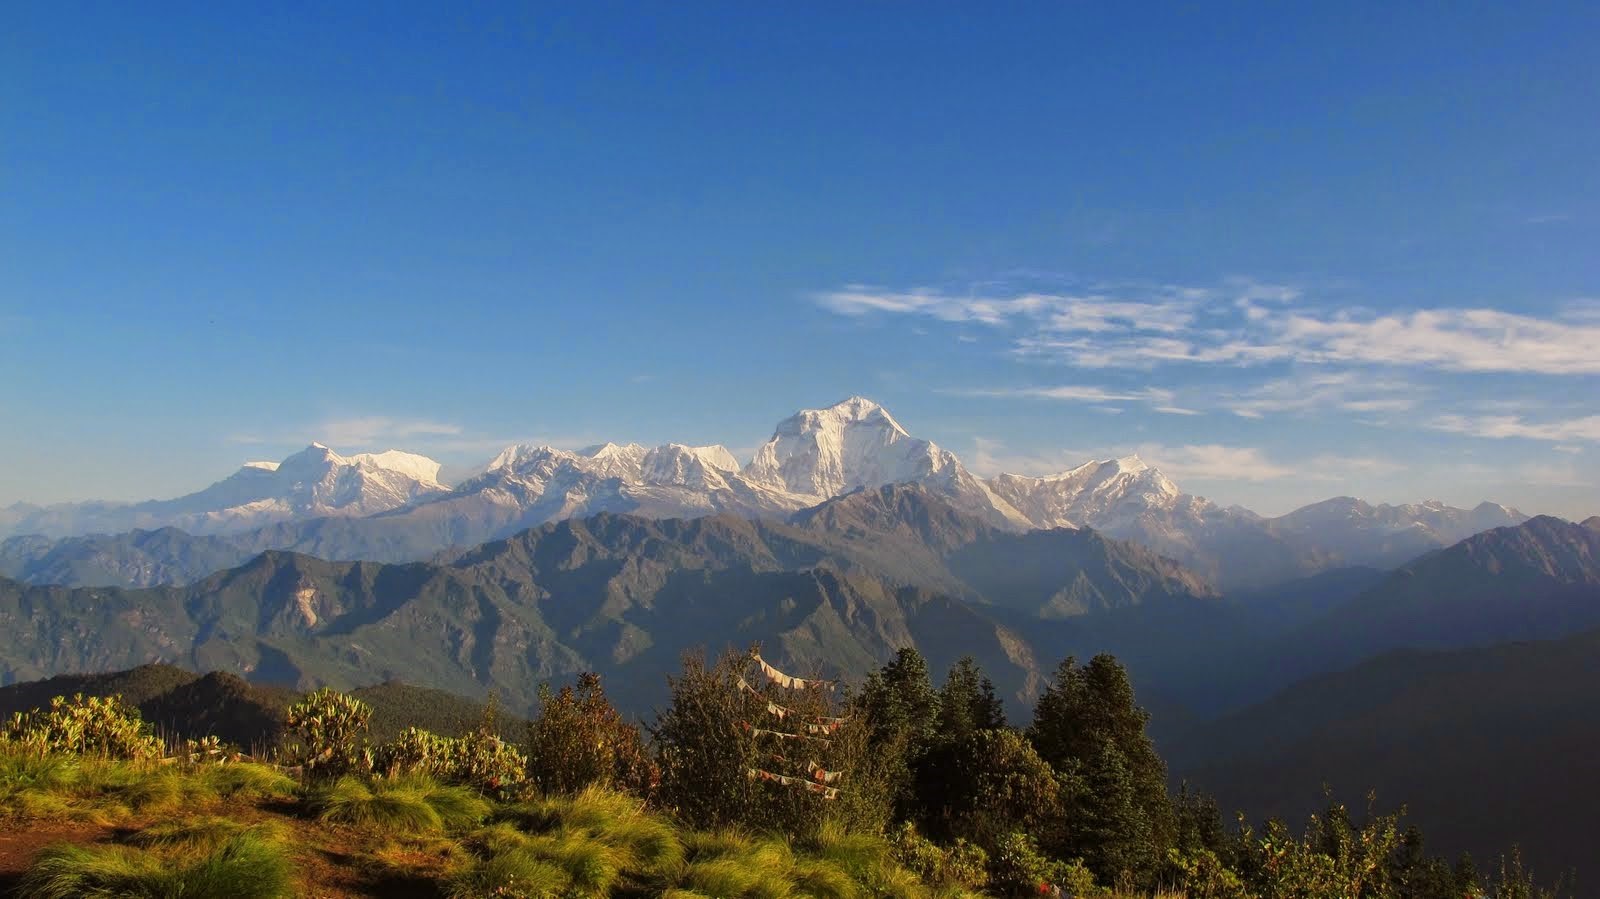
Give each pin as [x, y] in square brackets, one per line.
[402, 805]
[244, 866]
[598, 841]
[204, 834]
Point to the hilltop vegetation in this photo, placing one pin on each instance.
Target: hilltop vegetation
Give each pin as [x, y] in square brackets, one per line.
[748, 783]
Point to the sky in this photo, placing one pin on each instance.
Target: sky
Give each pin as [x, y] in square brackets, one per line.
[1282, 251]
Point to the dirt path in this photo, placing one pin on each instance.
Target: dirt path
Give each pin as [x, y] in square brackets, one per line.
[20, 841]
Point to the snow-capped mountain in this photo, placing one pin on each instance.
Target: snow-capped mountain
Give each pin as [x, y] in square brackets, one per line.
[817, 454]
[395, 507]
[1099, 493]
[313, 483]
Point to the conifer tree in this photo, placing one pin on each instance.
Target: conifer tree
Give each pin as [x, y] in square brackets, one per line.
[900, 699]
[1088, 725]
[967, 702]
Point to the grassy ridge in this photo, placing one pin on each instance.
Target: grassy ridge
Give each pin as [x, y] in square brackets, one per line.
[246, 831]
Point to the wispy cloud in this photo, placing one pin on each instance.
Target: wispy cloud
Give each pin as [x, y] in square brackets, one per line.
[1201, 463]
[1248, 323]
[1321, 391]
[1158, 399]
[374, 429]
[1565, 431]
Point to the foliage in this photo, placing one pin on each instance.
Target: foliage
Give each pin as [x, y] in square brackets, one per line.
[967, 702]
[960, 864]
[1017, 867]
[479, 760]
[901, 707]
[244, 866]
[1202, 875]
[96, 725]
[330, 732]
[993, 811]
[1088, 726]
[580, 740]
[996, 785]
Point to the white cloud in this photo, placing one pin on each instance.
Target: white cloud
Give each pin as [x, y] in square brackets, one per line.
[1158, 399]
[1324, 390]
[375, 429]
[1585, 429]
[1249, 323]
[1200, 463]
[1214, 462]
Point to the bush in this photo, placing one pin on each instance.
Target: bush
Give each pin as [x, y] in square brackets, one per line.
[580, 740]
[1017, 867]
[97, 726]
[244, 866]
[479, 760]
[962, 864]
[329, 732]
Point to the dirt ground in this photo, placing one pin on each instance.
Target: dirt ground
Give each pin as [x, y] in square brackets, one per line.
[20, 841]
[330, 863]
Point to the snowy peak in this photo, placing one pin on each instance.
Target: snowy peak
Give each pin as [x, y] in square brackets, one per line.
[421, 469]
[821, 453]
[1097, 493]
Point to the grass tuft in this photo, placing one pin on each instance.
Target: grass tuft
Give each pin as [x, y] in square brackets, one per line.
[824, 880]
[403, 805]
[246, 780]
[203, 834]
[245, 866]
[515, 873]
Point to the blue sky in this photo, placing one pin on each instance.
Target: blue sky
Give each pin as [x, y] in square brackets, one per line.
[1283, 252]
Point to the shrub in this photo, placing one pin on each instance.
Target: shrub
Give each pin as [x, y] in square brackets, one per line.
[1017, 867]
[480, 760]
[962, 864]
[1203, 876]
[580, 740]
[95, 725]
[329, 730]
[244, 866]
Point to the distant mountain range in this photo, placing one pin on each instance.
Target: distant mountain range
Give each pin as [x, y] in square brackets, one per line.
[836, 590]
[391, 507]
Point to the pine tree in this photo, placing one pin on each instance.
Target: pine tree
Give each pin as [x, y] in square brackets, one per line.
[901, 709]
[967, 702]
[1088, 725]
[900, 699]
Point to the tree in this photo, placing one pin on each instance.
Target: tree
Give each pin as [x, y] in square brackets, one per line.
[997, 785]
[579, 740]
[901, 710]
[900, 699]
[713, 742]
[1089, 727]
[967, 702]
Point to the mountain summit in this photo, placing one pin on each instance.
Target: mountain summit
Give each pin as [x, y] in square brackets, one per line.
[315, 482]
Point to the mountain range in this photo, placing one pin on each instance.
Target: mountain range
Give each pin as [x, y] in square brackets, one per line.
[391, 506]
[837, 589]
